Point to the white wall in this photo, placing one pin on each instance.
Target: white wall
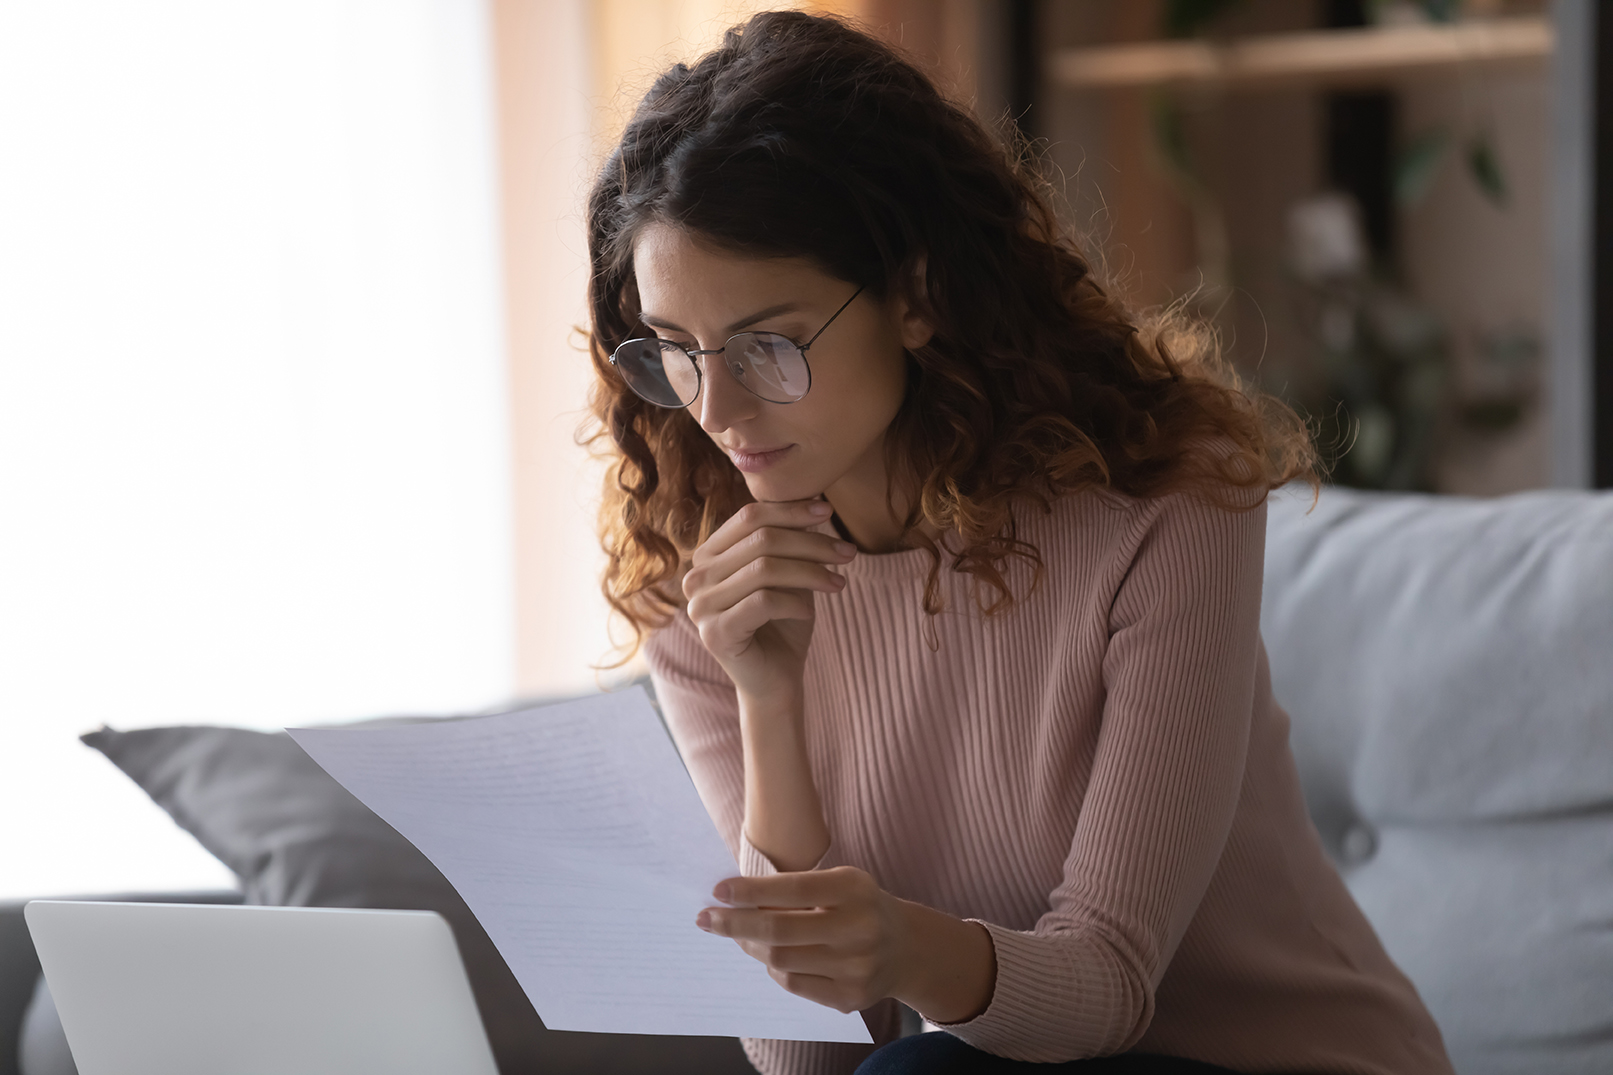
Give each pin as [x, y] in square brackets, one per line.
[254, 458]
[548, 157]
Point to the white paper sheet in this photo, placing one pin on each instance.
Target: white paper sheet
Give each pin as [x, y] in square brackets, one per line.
[577, 838]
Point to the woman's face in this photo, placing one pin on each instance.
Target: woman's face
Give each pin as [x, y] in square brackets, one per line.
[698, 296]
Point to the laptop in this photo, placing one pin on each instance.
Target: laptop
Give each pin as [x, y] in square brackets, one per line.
[197, 989]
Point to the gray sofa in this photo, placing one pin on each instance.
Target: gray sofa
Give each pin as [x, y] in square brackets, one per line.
[1448, 666]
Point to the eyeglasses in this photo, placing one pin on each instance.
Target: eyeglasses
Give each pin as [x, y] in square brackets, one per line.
[770, 366]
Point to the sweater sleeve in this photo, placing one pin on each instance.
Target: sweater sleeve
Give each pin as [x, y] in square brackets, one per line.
[701, 709]
[1179, 676]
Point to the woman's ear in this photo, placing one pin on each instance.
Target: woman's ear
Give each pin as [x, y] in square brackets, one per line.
[914, 328]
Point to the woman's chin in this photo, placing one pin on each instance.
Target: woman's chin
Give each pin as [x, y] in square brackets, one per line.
[778, 487]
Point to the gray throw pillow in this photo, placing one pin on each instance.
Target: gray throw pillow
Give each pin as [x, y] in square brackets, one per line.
[295, 837]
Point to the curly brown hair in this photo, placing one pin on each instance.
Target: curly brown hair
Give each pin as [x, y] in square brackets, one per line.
[802, 137]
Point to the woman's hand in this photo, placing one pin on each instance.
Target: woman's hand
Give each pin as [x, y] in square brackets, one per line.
[750, 592]
[836, 937]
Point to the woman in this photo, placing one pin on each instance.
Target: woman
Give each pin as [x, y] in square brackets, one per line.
[948, 572]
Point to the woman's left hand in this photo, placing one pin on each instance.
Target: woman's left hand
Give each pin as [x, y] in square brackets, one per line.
[833, 936]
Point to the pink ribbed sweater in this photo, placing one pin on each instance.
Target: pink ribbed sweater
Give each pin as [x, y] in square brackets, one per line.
[1100, 776]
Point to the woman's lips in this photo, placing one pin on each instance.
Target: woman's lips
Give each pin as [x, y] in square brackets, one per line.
[756, 462]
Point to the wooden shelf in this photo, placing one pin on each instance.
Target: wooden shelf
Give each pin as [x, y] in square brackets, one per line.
[1330, 57]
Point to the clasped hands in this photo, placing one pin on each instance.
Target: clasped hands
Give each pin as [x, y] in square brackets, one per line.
[835, 937]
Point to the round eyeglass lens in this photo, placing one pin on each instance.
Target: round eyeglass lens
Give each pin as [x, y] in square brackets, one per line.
[770, 365]
[659, 372]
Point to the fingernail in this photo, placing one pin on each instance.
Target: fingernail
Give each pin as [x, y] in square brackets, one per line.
[722, 893]
[821, 508]
[845, 548]
[703, 920]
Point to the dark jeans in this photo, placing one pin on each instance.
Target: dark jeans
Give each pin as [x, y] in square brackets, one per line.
[943, 1054]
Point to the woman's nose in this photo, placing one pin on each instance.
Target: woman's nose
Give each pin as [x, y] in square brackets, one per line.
[723, 401]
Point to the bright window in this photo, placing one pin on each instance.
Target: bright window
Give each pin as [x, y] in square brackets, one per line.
[253, 434]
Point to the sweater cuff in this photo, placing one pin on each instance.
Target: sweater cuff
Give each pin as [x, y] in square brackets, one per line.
[753, 863]
[1019, 997]
[1056, 998]
[1021, 1005]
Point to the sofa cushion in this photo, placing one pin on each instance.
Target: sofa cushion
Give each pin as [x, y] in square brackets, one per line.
[296, 837]
[1447, 665]
[1507, 931]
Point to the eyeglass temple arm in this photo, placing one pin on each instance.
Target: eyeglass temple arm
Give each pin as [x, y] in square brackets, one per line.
[804, 346]
[832, 317]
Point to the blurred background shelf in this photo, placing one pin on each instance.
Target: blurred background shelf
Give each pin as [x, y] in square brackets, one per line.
[1381, 206]
[1323, 57]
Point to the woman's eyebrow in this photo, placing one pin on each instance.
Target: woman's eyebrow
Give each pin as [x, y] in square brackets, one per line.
[657, 322]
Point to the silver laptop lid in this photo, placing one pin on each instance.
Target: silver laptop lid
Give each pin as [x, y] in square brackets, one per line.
[193, 989]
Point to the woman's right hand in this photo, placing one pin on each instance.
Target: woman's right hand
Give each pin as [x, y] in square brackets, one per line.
[751, 588]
